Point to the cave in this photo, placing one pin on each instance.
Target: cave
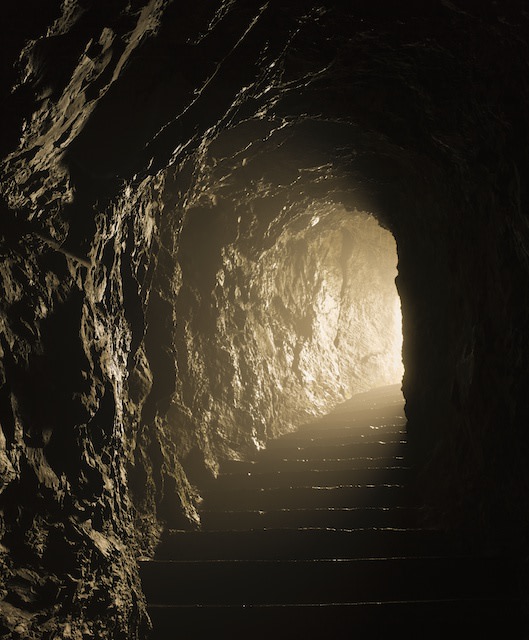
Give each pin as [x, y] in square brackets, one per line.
[219, 221]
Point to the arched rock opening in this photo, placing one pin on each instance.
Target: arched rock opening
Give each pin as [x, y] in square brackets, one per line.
[123, 121]
[276, 327]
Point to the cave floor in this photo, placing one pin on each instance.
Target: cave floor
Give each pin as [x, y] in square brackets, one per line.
[319, 537]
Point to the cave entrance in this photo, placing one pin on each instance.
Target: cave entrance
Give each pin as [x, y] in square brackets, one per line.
[283, 315]
[331, 305]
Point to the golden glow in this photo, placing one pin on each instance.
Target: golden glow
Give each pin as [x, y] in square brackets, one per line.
[395, 365]
[335, 281]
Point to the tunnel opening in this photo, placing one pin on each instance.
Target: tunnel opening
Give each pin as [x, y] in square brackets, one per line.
[305, 321]
[329, 281]
[284, 287]
[285, 294]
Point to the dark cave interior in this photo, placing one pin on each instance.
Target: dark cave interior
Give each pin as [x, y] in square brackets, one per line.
[196, 216]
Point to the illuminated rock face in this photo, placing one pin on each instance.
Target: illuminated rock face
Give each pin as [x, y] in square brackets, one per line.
[156, 164]
[277, 335]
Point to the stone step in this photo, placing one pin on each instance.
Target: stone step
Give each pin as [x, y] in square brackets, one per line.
[304, 544]
[389, 418]
[319, 538]
[390, 393]
[364, 420]
[432, 620]
[312, 478]
[262, 582]
[317, 464]
[318, 451]
[384, 416]
[338, 518]
[342, 435]
[383, 495]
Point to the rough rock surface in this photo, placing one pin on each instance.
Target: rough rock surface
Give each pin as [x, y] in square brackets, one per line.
[156, 162]
[269, 338]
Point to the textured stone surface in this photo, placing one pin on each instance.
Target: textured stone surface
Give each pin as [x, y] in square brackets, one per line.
[269, 338]
[156, 163]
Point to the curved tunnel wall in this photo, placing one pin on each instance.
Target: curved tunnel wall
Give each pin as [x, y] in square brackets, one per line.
[123, 121]
[271, 337]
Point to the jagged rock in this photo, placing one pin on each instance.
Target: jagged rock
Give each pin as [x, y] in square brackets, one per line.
[162, 308]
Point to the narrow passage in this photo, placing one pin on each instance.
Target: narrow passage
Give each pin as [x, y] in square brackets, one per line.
[319, 537]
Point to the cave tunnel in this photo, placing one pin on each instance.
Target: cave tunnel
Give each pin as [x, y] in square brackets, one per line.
[201, 211]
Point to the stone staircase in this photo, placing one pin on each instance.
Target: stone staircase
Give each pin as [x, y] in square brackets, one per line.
[318, 537]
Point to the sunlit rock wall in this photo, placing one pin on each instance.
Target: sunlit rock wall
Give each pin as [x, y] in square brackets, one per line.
[267, 338]
[326, 296]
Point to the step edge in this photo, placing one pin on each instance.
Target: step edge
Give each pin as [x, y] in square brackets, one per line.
[360, 603]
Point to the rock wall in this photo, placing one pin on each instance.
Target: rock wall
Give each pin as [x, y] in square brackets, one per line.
[266, 339]
[70, 331]
[156, 163]
[68, 544]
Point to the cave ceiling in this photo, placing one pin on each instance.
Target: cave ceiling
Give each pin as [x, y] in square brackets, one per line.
[213, 76]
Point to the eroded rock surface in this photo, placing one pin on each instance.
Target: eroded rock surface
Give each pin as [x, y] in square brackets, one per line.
[163, 300]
